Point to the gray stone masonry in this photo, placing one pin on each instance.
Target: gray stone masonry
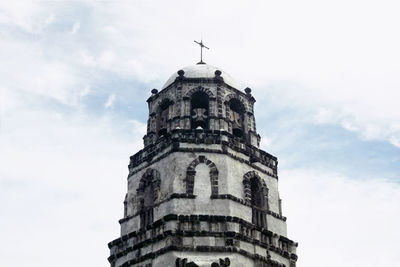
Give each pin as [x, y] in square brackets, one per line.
[201, 192]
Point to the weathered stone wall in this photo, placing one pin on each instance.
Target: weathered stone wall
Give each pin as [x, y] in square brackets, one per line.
[173, 198]
[202, 194]
[205, 236]
[179, 111]
[173, 169]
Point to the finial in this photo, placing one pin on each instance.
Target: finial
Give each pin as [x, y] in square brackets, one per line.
[247, 90]
[154, 91]
[201, 50]
[181, 73]
[218, 76]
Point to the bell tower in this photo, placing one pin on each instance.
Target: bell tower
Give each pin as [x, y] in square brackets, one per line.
[201, 192]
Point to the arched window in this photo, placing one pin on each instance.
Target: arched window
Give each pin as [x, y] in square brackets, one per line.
[162, 117]
[199, 110]
[257, 201]
[256, 194]
[237, 117]
[257, 197]
[147, 192]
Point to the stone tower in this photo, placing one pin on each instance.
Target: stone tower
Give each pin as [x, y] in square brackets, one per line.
[201, 192]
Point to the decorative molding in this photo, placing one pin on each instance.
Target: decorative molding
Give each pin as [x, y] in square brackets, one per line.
[199, 89]
[207, 137]
[191, 173]
[240, 99]
[205, 218]
[145, 238]
[219, 249]
[245, 203]
[223, 196]
[247, 186]
[151, 176]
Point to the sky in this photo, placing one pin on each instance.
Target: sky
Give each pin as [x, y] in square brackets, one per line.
[74, 77]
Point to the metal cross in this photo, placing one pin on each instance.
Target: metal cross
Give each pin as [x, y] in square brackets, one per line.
[201, 50]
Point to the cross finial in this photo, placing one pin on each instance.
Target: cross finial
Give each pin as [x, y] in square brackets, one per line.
[201, 50]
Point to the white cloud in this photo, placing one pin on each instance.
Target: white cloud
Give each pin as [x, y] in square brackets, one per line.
[64, 173]
[110, 101]
[346, 66]
[75, 27]
[395, 141]
[339, 56]
[339, 221]
[371, 129]
[29, 71]
[62, 183]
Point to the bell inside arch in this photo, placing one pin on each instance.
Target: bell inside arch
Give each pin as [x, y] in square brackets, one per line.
[199, 110]
[163, 117]
[236, 117]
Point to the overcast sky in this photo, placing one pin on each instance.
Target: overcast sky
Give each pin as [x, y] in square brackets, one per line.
[74, 77]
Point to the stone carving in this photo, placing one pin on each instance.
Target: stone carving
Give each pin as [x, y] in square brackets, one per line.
[199, 114]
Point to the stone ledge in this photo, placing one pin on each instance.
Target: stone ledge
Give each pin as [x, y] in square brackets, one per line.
[243, 202]
[177, 148]
[191, 233]
[223, 196]
[201, 249]
[204, 137]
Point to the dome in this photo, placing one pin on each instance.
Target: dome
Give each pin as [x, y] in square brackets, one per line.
[202, 71]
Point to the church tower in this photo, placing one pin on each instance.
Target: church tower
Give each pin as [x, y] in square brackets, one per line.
[201, 192]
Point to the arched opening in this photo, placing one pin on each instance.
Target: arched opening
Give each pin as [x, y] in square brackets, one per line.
[256, 195]
[237, 117]
[199, 110]
[257, 201]
[148, 194]
[162, 117]
[146, 206]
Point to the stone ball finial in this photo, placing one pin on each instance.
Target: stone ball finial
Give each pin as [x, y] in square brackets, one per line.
[181, 73]
[247, 90]
[218, 73]
[154, 91]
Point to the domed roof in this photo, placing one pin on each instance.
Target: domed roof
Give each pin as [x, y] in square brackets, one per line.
[202, 71]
